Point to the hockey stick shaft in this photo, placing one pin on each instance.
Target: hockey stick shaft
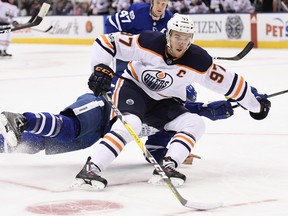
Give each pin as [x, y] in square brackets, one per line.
[269, 96]
[142, 146]
[277, 93]
[184, 202]
[240, 55]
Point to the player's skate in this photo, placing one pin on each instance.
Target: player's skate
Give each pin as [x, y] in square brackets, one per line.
[88, 178]
[12, 125]
[4, 53]
[168, 166]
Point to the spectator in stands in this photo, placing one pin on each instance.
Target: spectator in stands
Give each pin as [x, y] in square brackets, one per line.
[284, 5]
[99, 7]
[59, 5]
[80, 8]
[177, 6]
[68, 8]
[120, 5]
[267, 6]
[232, 6]
[196, 6]
[35, 7]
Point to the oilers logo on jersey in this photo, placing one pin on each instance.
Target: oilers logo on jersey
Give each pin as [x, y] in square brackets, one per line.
[156, 80]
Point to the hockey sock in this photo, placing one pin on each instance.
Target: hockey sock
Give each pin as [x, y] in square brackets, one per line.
[180, 147]
[50, 125]
[107, 150]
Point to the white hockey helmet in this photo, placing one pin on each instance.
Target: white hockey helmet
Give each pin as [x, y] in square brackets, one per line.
[180, 23]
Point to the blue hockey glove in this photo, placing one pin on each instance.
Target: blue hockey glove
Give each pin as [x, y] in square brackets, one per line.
[217, 110]
[265, 105]
[101, 79]
[191, 94]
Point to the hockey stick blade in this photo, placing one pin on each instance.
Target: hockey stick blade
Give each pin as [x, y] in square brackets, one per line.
[38, 19]
[240, 55]
[5, 29]
[44, 31]
[269, 96]
[184, 202]
[203, 206]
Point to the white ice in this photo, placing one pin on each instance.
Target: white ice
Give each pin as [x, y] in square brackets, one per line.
[244, 162]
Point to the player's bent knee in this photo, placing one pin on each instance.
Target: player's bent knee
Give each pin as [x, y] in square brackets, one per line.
[134, 122]
[188, 122]
[197, 130]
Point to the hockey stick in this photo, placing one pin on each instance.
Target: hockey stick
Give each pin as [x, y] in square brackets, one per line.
[240, 55]
[277, 93]
[37, 20]
[269, 96]
[5, 28]
[44, 31]
[184, 202]
[34, 21]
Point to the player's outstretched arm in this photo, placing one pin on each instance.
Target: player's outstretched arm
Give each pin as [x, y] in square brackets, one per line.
[215, 110]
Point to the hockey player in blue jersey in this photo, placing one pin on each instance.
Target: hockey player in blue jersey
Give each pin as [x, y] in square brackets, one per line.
[155, 17]
[139, 17]
[160, 68]
[82, 124]
[66, 135]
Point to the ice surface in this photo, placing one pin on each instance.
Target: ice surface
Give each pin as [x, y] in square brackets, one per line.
[244, 162]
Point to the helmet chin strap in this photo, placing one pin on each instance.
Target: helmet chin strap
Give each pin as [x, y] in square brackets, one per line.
[168, 45]
[169, 50]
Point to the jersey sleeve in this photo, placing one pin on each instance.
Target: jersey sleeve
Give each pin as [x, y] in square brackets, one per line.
[231, 85]
[120, 21]
[120, 45]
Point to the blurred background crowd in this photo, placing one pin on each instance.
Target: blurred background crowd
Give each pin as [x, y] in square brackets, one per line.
[106, 7]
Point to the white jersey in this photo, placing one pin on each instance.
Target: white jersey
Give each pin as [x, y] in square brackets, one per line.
[7, 12]
[161, 76]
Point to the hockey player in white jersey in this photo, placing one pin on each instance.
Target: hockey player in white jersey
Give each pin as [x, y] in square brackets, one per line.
[8, 13]
[160, 68]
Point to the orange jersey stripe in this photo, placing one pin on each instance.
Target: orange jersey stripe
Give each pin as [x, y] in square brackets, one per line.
[115, 95]
[147, 50]
[239, 88]
[185, 138]
[107, 42]
[133, 71]
[118, 145]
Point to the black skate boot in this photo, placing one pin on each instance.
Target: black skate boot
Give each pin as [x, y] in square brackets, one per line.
[12, 125]
[88, 177]
[169, 167]
[5, 54]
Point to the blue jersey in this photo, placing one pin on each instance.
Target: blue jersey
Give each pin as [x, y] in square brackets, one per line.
[92, 115]
[136, 19]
